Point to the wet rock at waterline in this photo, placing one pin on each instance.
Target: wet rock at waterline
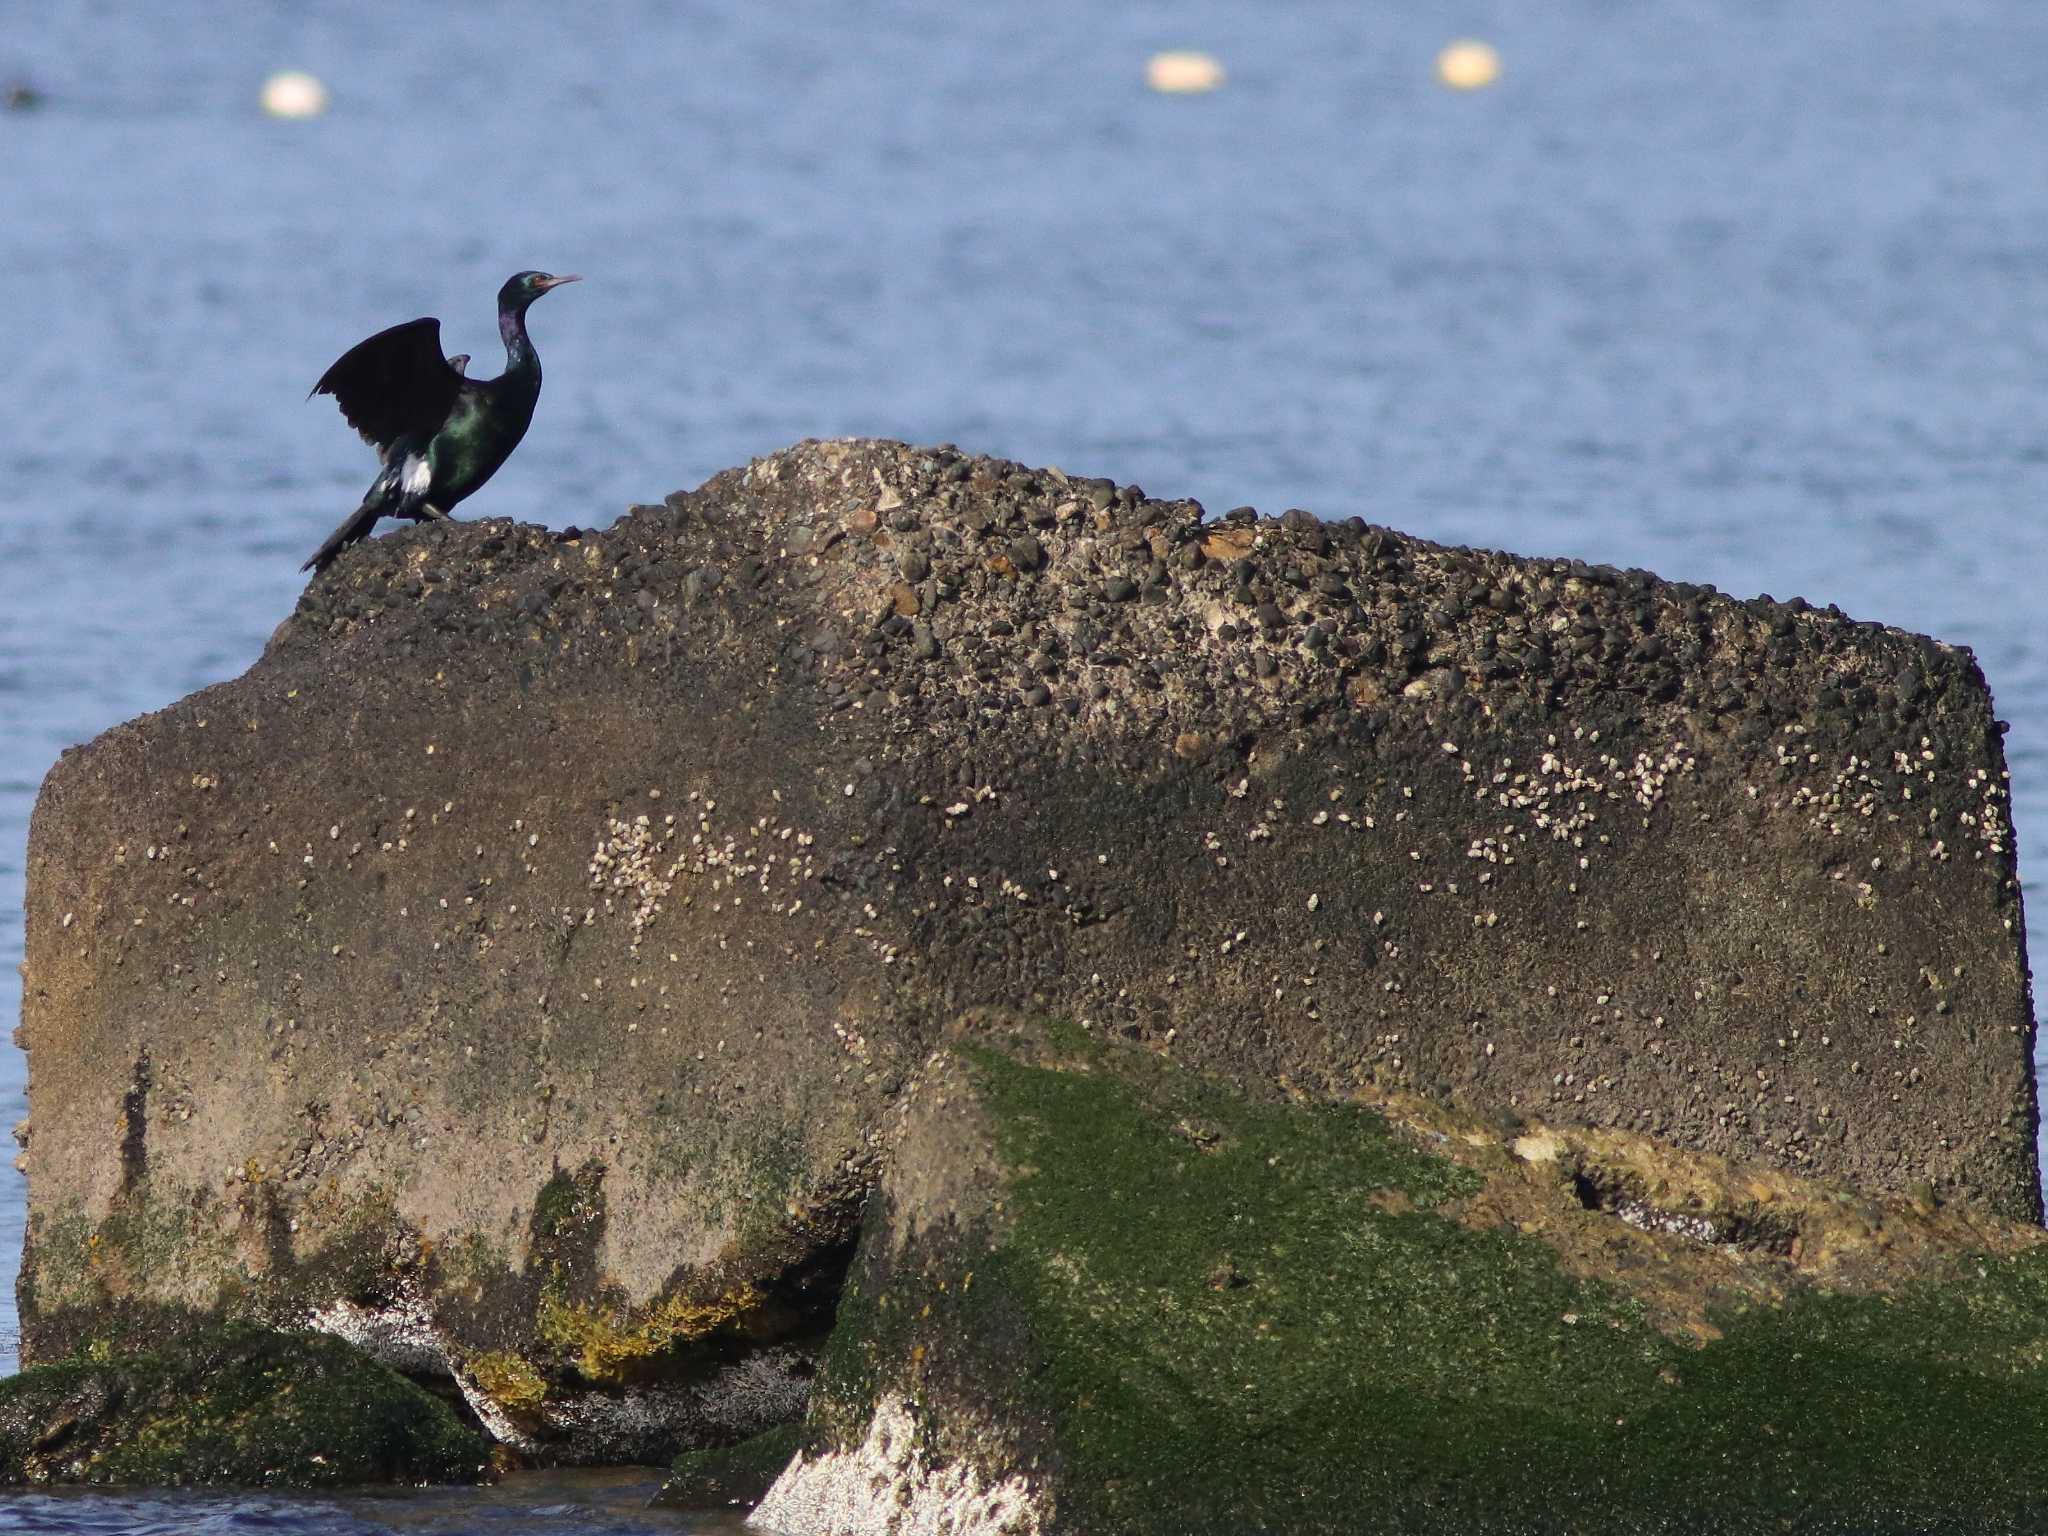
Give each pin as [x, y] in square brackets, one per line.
[238, 1406]
[519, 971]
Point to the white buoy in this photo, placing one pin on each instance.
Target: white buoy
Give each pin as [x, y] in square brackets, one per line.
[1183, 72]
[294, 93]
[1468, 65]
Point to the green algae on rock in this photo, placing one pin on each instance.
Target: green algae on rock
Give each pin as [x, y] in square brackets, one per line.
[1164, 1306]
[730, 1475]
[236, 1406]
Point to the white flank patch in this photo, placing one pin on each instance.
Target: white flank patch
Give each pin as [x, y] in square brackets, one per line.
[417, 475]
[885, 1487]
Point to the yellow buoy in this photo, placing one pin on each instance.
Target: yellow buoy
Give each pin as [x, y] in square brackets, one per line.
[1182, 72]
[294, 93]
[1468, 65]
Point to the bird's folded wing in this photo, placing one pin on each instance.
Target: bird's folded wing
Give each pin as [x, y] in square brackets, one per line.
[397, 384]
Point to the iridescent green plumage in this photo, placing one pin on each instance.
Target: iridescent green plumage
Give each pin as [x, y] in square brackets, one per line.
[438, 435]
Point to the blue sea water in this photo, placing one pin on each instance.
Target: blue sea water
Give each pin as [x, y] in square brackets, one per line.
[1753, 293]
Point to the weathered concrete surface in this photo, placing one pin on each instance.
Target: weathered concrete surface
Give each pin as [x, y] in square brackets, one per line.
[518, 963]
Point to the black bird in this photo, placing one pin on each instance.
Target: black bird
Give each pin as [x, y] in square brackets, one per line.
[438, 434]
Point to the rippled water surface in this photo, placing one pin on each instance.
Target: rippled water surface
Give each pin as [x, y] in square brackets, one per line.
[610, 1503]
[1754, 294]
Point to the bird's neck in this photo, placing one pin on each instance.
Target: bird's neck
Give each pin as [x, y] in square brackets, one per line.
[522, 363]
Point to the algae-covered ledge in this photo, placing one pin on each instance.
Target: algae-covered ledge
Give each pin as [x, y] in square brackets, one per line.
[1171, 1306]
[534, 970]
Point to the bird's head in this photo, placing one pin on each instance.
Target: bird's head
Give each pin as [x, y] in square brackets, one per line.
[522, 288]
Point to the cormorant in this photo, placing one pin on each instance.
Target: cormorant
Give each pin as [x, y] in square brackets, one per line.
[438, 434]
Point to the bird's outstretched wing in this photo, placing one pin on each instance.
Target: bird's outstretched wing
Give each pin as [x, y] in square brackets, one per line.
[397, 384]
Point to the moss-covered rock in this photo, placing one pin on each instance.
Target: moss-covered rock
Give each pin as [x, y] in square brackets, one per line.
[732, 1474]
[1166, 1306]
[234, 1406]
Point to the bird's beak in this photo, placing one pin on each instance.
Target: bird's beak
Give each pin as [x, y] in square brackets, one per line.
[556, 282]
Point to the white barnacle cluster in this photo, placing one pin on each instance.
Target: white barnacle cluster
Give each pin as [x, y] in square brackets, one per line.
[626, 867]
[1491, 850]
[1564, 798]
[1857, 790]
[1862, 790]
[1342, 820]
[632, 867]
[885, 950]
[969, 888]
[1649, 774]
[981, 794]
[1994, 830]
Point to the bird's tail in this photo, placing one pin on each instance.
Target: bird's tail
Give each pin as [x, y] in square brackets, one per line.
[358, 525]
